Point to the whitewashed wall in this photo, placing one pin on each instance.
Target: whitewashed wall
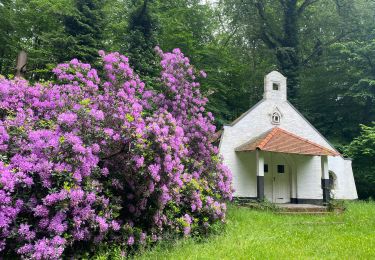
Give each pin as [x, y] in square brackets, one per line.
[309, 177]
[255, 122]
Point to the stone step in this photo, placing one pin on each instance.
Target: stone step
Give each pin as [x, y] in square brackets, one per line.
[302, 208]
[303, 212]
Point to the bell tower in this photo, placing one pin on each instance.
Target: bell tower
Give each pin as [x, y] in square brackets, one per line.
[275, 86]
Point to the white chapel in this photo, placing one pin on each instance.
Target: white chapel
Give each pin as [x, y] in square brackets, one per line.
[274, 153]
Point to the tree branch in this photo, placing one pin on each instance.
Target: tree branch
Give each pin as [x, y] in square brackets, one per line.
[305, 4]
[121, 150]
[371, 64]
[112, 155]
[268, 36]
[319, 47]
[283, 3]
[231, 36]
[223, 26]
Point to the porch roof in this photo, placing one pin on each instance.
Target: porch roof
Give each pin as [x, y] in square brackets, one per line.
[281, 141]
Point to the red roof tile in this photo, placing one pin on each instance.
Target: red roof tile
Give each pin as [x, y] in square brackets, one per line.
[281, 141]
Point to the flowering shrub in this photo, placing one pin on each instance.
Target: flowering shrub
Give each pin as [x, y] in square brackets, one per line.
[92, 159]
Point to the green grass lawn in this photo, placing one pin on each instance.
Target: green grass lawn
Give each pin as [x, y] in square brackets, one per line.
[266, 235]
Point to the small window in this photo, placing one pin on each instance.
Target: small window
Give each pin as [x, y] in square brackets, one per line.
[280, 168]
[275, 86]
[265, 167]
[275, 118]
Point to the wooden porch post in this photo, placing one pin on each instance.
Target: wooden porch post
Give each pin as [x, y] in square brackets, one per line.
[260, 174]
[325, 179]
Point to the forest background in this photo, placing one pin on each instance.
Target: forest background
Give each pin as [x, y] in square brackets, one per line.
[326, 49]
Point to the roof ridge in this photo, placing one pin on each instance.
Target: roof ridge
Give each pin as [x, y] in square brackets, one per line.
[269, 136]
[246, 112]
[316, 130]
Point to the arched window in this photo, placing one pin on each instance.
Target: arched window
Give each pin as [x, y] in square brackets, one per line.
[276, 118]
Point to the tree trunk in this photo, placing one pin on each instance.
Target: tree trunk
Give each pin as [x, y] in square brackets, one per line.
[285, 44]
[289, 65]
[287, 54]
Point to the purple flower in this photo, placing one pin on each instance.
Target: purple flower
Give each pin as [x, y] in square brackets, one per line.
[203, 74]
[105, 171]
[187, 230]
[90, 198]
[68, 118]
[58, 224]
[76, 196]
[187, 218]
[139, 160]
[142, 238]
[103, 226]
[41, 211]
[115, 225]
[69, 136]
[4, 137]
[95, 148]
[108, 131]
[130, 241]
[154, 170]
[97, 114]
[24, 230]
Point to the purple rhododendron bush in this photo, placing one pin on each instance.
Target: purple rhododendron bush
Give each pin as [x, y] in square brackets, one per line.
[90, 159]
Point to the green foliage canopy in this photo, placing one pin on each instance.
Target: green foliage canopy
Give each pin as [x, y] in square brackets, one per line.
[362, 150]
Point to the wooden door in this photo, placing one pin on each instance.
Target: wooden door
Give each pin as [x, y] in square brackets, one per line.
[281, 180]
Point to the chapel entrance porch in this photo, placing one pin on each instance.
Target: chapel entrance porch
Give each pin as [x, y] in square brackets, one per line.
[288, 168]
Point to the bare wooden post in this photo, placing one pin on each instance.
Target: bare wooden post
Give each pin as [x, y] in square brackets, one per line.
[21, 64]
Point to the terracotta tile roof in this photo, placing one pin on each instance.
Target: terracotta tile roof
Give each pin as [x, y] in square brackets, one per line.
[281, 141]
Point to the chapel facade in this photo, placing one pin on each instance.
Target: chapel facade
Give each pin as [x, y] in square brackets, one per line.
[274, 153]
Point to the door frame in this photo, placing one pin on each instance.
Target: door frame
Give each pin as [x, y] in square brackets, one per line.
[272, 169]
